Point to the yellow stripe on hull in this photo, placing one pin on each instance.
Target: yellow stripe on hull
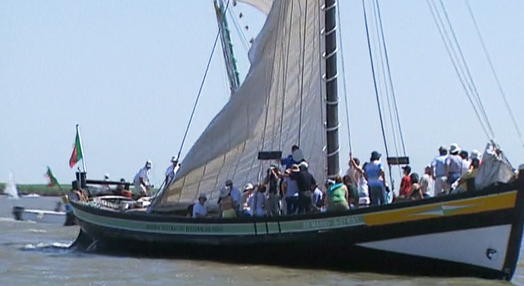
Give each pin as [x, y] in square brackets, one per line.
[444, 209]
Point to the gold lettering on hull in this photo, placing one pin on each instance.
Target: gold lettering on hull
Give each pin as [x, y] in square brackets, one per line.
[337, 222]
[189, 229]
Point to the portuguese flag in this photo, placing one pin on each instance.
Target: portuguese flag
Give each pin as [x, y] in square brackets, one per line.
[77, 151]
[52, 180]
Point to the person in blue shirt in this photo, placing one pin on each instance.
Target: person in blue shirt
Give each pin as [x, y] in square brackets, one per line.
[376, 178]
[289, 160]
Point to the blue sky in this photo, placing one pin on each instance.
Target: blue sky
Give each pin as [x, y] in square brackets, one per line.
[129, 71]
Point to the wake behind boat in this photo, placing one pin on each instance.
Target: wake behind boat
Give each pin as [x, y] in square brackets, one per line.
[290, 95]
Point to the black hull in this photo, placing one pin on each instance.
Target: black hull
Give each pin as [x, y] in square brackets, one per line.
[483, 243]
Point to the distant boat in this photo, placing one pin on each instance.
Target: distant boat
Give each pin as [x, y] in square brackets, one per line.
[31, 196]
[10, 189]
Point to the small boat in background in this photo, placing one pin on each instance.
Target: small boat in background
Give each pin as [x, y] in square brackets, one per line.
[40, 216]
[10, 189]
[37, 215]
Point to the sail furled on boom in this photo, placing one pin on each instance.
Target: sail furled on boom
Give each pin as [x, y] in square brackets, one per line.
[280, 103]
[227, 47]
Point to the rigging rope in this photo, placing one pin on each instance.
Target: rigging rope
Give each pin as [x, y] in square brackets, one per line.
[475, 93]
[344, 76]
[376, 91]
[385, 94]
[245, 42]
[499, 85]
[460, 66]
[390, 79]
[302, 74]
[200, 90]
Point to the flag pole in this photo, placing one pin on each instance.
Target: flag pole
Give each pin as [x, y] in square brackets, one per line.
[82, 148]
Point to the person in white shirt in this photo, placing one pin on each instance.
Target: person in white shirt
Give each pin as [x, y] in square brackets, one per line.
[466, 163]
[258, 202]
[235, 194]
[246, 200]
[356, 174]
[105, 187]
[438, 167]
[453, 165]
[316, 199]
[141, 180]
[199, 209]
[171, 171]
[427, 183]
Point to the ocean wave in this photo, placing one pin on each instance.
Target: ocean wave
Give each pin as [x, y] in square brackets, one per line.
[55, 247]
[10, 219]
[32, 230]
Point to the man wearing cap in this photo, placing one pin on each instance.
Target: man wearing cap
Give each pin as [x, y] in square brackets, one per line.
[306, 184]
[438, 166]
[235, 194]
[376, 177]
[171, 171]
[141, 180]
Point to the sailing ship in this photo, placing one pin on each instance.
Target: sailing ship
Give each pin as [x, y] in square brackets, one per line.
[10, 188]
[290, 96]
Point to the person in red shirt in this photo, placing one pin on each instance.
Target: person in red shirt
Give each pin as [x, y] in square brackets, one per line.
[405, 184]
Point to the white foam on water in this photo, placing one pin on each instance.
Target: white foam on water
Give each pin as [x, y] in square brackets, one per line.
[31, 196]
[36, 230]
[55, 247]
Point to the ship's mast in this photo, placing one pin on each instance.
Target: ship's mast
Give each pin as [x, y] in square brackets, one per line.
[227, 46]
[332, 124]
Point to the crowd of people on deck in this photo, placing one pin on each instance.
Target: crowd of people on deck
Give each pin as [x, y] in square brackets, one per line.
[291, 189]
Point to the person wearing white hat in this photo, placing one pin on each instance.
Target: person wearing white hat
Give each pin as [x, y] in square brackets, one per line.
[171, 171]
[246, 196]
[475, 154]
[141, 180]
[226, 203]
[453, 165]
[199, 209]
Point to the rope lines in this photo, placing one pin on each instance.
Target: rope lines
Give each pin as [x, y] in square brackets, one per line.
[375, 83]
[383, 83]
[344, 76]
[459, 63]
[490, 62]
[200, 89]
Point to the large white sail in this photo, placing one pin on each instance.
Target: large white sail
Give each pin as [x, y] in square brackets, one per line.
[279, 104]
[10, 188]
[262, 5]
